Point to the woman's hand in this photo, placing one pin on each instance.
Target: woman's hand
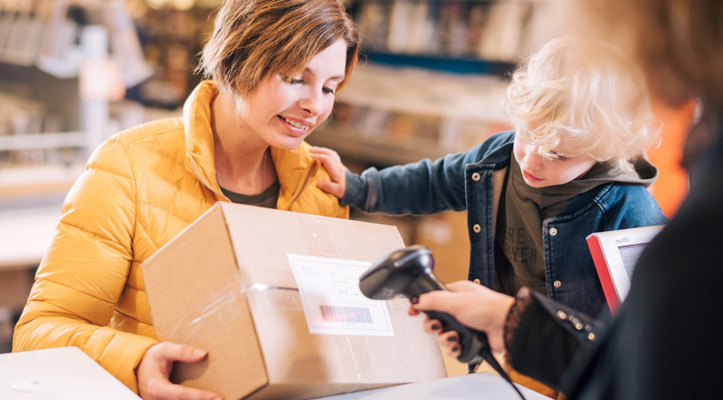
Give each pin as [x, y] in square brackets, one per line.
[337, 171]
[156, 366]
[474, 306]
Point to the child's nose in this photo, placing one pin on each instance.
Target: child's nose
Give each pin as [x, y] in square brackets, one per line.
[533, 160]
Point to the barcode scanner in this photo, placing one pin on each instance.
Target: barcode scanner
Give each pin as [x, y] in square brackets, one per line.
[409, 272]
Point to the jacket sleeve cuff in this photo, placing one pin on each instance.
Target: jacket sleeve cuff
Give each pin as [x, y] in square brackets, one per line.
[356, 191]
[546, 337]
[122, 356]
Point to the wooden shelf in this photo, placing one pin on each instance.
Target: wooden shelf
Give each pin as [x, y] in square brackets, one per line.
[43, 141]
[373, 151]
[47, 180]
[456, 65]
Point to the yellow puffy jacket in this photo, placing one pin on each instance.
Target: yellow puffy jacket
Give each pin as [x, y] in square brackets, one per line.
[139, 190]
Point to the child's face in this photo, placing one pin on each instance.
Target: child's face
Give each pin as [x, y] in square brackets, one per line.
[539, 171]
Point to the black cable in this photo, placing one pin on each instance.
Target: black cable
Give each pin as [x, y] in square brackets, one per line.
[486, 355]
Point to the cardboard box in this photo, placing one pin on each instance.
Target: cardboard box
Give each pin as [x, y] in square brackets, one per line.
[227, 284]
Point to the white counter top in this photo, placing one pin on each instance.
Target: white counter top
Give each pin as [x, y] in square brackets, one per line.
[480, 386]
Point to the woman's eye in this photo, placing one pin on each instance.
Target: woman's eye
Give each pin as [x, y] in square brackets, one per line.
[293, 80]
[328, 90]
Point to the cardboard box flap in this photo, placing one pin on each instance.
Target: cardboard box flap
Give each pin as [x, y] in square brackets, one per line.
[263, 238]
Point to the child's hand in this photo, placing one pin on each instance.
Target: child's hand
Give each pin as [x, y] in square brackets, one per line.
[337, 171]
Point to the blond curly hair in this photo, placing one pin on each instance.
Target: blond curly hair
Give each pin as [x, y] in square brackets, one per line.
[583, 96]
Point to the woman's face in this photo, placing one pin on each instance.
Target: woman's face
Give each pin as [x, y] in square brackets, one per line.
[539, 171]
[283, 111]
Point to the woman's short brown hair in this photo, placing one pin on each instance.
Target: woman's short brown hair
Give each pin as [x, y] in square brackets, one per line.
[253, 38]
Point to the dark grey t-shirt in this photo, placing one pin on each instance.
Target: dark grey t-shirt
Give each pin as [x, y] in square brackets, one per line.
[523, 210]
[267, 198]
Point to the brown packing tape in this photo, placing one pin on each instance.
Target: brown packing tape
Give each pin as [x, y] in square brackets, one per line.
[223, 305]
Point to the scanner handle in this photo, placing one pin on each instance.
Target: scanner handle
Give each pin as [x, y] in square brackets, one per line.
[475, 346]
[409, 272]
[473, 342]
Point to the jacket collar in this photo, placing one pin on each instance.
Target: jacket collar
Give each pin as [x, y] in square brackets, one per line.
[501, 150]
[199, 136]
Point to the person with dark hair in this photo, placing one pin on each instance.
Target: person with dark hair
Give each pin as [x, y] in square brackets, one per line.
[275, 66]
[663, 343]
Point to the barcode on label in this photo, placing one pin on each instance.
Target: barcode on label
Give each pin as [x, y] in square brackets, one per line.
[346, 314]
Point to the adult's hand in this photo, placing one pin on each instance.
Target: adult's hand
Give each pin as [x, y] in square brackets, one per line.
[156, 366]
[473, 305]
[337, 171]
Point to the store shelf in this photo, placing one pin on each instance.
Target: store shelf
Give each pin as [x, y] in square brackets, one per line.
[43, 141]
[33, 184]
[457, 65]
[424, 92]
[379, 152]
[392, 115]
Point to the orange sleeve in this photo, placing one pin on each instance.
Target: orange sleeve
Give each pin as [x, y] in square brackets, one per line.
[672, 184]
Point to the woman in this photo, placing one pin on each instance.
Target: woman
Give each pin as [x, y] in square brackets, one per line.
[663, 343]
[275, 67]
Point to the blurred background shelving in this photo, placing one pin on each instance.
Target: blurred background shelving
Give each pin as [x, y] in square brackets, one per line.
[74, 72]
[430, 81]
[431, 77]
[63, 63]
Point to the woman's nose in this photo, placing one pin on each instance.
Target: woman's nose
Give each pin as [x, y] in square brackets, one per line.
[312, 103]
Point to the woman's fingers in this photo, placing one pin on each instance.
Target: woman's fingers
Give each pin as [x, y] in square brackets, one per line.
[155, 368]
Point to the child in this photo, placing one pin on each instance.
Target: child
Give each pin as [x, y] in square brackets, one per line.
[574, 165]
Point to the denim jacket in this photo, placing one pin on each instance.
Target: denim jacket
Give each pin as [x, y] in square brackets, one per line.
[473, 181]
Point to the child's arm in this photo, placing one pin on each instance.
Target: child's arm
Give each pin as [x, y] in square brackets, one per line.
[631, 206]
[424, 187]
